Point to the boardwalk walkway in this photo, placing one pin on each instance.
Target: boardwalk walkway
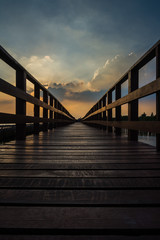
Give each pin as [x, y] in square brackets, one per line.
[81, 181]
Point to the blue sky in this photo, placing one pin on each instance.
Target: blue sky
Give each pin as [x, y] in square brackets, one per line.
[78, 47]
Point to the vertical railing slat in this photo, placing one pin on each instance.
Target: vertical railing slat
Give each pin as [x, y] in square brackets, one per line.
[158, 95]
[118, 109]
[21, 104]
[36, 107]
[133, 106]
[109, 100]
[45, 111]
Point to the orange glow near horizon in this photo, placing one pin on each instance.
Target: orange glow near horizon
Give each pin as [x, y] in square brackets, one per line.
[76, 108]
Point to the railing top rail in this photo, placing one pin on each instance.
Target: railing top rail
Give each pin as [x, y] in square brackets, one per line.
[8, 59]
[146, 57]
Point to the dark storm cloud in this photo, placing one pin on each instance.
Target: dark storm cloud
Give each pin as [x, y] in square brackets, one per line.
[62, 92]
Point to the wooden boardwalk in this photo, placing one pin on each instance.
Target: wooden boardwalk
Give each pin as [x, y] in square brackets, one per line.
[79, 182]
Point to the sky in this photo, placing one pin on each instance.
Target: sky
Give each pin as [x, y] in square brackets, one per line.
[77, 48]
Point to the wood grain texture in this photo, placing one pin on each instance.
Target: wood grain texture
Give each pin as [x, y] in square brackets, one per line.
[79, 180]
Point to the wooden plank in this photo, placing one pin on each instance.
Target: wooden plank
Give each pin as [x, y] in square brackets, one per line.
[80, 173]
[12, 118]
[79, 183]
[80, 197]
[79, 159]
[158, 95]
[76, 146]
[78, 178]
[79, 166]
[79, 151]
[80, 218]
[69, 236]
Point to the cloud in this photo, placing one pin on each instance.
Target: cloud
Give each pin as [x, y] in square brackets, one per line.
[76, 91]
[104, 77]
[66, 88]
[147, 73]
[43, 68]
[7, 73]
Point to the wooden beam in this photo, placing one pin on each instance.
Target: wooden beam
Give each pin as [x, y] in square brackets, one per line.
[133, 106]
[146, 126]
[104, 106]
[51, 112]
[158, 95]
[21, 104]
[149, 55]
[109, 100]
[146, 90]
[11, 90]
[21, 119]
[45, 111]
[118, 109]
[36, 107]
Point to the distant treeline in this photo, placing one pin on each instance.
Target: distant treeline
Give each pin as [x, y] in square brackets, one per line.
[143, 117]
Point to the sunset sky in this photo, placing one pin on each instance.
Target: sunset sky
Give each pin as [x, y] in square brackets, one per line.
[77, 48]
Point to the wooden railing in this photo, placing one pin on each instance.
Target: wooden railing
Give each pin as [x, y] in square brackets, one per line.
[101, 112]
[22, 97]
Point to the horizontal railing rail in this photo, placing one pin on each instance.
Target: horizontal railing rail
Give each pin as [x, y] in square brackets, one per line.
[57, 112]
[101, 112]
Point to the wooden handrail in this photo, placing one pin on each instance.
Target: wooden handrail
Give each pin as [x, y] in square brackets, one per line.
[22, 97]
[103, 108]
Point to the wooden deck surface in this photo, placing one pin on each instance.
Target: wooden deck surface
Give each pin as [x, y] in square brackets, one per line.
[79, 182]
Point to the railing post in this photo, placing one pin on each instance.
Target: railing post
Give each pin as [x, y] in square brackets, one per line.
[118, 109]
[99, 114]
[96, 116]
[21, 104]
[36, 107]
[55, 113]
[133, 106]
[158, 96]
[109, 111]
[45, 111]
[104, 104]
[104, 118]
[51, 113]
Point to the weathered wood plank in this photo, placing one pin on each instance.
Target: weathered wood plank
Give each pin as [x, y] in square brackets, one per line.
[80, 197]
[79, 183]
[78, 237]
[78, 178]
[80, 218]
[21, 165]
[80, 173]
